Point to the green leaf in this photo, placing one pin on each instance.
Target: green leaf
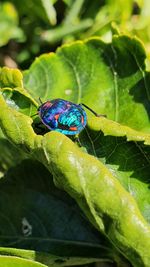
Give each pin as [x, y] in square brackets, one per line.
[36, 257]
[11, 155]
[9, 261]
[40, 12]
[10, 78]
[17, 126]
[125, 152]
[9, 23]
[11, 83]
[45, 220]
[69, 165]
[110, 78]
[109, 176]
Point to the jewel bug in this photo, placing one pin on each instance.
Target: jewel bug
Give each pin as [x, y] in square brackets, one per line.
[64, 116]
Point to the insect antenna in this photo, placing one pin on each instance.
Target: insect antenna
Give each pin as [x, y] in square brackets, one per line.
[40, 100]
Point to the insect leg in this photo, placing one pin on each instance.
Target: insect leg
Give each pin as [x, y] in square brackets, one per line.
[96, 114]
[34, 115]
[77, 140]
[39, 127]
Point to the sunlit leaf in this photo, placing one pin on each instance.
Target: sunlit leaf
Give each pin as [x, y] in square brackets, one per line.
[109, 175]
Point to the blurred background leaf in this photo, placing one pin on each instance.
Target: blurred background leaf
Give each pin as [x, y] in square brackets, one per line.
[9, 24]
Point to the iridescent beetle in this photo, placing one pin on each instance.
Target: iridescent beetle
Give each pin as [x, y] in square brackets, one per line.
[64, 116]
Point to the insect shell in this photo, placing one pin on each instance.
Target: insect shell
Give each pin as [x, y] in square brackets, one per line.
[63, 116]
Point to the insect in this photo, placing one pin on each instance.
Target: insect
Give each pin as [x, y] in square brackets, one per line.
[63, 116]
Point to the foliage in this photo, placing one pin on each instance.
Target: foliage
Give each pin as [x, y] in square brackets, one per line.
[108, 176]
[9, 23]
[54, 22]
[65, 203]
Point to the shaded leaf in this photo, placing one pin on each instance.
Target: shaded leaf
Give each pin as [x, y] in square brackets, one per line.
[123, 151]
[45, 220]
[10, 155]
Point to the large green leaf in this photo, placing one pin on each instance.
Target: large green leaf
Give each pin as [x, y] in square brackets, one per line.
[110, 78]
[92, 188]
[45, 220]
[109, 175]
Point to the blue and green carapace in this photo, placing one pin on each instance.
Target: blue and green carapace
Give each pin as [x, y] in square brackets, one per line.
[63, 116]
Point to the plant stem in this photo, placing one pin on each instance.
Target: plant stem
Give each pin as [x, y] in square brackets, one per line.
[57, 34]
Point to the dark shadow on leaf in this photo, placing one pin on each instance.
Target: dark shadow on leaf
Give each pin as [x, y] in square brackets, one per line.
[128, 161]
[36, 215]
[9, 155]
[141, 92]
[20, 102]
[120, 59]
